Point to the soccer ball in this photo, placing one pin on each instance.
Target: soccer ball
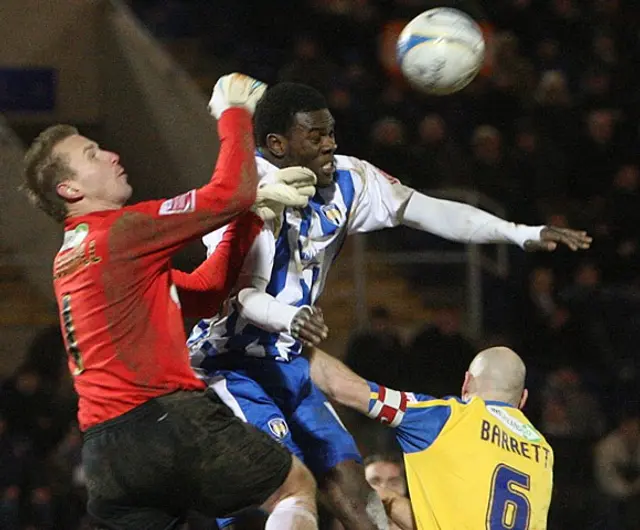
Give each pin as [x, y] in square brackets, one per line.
[440, 51]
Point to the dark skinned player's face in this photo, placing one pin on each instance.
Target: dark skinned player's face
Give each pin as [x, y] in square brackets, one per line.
[310, 143]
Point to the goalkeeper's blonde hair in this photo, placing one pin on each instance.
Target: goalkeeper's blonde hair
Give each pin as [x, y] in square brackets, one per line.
[44, 170]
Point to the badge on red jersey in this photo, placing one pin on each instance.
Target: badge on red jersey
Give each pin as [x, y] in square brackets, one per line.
[185, 203]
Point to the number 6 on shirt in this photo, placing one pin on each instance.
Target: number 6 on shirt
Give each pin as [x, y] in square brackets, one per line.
[70, 334]
[509, 508]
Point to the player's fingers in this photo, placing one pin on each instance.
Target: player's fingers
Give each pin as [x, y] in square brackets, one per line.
[317, 328]
[584, 240]
[583, 243]
[562, 236]
[317, 317]
[307, 336]
[579, 238]
[570, 241]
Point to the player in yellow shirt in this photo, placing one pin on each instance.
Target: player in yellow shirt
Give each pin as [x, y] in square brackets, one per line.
[473, 463]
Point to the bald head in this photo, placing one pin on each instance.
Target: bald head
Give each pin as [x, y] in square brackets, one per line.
[496, 373]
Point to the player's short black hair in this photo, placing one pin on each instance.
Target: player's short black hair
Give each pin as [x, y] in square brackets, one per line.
[275, 111]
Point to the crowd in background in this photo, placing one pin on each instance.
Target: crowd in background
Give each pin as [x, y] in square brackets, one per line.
[549, 129]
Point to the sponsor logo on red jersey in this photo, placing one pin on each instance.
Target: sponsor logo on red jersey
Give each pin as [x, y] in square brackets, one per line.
[184, 203]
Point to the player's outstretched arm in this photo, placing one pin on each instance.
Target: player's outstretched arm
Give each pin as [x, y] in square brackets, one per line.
[203, 291]
[338, 381]
[398, 508]
[341, 384]
[466, 224]
[155, 230]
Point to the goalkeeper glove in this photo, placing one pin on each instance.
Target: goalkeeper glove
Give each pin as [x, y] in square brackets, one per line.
[274, 194]
[300, 178]
[235, 90]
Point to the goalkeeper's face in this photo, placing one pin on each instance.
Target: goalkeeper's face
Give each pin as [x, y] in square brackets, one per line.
[96, 179]
[311, 143]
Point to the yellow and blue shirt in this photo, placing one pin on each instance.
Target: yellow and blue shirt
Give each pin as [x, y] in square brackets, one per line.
[470, 465]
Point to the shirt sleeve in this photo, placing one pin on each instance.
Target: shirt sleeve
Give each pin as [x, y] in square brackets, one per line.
[421, 420]
[203, 291]
[258, 263]
[154, 230]
[380, 199]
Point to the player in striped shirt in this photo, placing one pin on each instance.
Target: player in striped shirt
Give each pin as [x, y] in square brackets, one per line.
[251, 353]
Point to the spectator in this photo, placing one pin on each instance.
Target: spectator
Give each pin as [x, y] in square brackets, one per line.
[377, 350]
[386, 471]
[621, 222]
[512, 73]
[569, 409]
[438, 355]
[388, 148]
[437, 158]
[491, 173]
[13, 464]
[309, 65]
[596, 156]
[540, 168]
[553, 110]
[68, 483]
[29, 410]
[617, 471]
[539, 319]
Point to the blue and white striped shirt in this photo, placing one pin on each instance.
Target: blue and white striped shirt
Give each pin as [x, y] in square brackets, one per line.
[362, 198]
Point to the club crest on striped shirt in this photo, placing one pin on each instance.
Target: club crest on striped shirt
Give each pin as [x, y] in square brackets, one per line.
[278, 427]
[332, 213]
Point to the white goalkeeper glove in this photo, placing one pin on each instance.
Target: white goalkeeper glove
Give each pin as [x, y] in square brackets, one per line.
[235, 90]
[301, 178]
[274, 194]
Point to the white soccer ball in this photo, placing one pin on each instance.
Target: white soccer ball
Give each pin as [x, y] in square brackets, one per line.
[441, 51]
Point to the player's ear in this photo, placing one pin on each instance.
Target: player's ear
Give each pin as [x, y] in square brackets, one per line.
[523, 399]
[464, 393]
[277, 145]
[68, 189]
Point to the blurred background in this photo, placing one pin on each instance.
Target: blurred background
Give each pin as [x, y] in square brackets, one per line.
[547, 133]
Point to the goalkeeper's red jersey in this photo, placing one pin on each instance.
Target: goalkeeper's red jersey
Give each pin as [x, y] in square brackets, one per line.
[119, 308]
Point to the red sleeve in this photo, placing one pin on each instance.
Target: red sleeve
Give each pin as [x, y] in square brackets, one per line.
[154, 230]
[203, 291]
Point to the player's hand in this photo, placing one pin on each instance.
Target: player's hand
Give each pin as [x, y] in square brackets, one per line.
[291, 187]
[308, 326]
[386, 495]
[550, 236]
[271, 199]
[235, 90]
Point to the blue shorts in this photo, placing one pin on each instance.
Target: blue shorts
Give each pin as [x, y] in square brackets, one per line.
[280, 399]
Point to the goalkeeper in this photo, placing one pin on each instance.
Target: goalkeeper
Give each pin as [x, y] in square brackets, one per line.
[155, 444]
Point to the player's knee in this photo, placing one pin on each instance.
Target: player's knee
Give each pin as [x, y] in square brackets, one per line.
[299, 484]
[351, 498]
[300, 480]
[346, 483]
